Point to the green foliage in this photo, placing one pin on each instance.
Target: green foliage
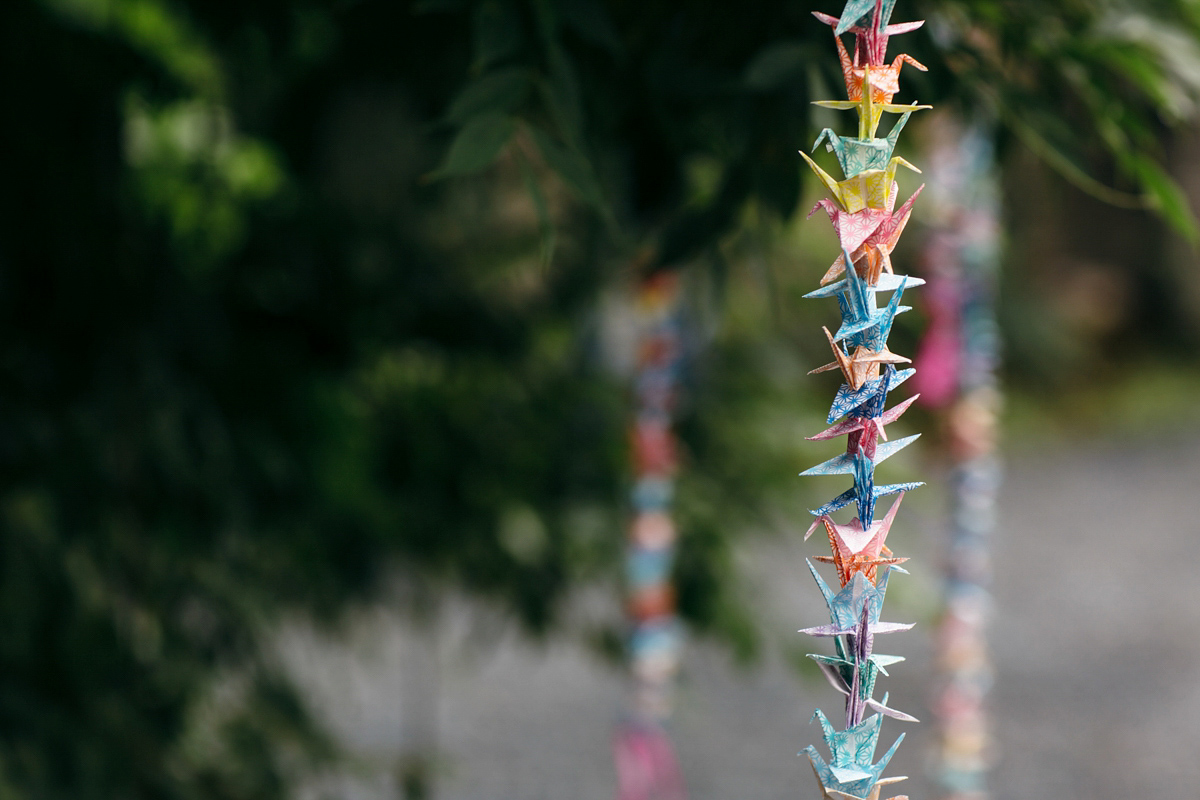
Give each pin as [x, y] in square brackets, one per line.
[1082, 83]
[477, 144]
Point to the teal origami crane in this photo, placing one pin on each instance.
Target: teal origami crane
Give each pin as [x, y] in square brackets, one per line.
[865, 14]
[846, 606]
[856, 155]
[851, 751]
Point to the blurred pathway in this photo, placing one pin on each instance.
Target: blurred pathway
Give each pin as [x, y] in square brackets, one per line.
[1096, 640]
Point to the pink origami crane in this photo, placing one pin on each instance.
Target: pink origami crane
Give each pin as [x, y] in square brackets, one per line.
[873, 42]
[864, 432]
[870, 234]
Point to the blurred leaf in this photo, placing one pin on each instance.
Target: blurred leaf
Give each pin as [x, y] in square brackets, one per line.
[497, 32]
[563, 97]
[495, 93]
[591, 21]
[1165, 196]
[777, 65]
[572, 167]
[476, 145]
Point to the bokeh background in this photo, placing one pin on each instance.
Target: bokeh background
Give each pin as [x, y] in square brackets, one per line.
[314, 391]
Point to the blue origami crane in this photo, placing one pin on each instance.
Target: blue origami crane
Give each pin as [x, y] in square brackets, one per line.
[864, 492]
[872, 331]
[864, 400]
[862, 323]
[844, 464]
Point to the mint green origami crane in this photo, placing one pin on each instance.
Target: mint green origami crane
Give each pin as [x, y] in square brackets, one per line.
[850, 773]
[856, 155]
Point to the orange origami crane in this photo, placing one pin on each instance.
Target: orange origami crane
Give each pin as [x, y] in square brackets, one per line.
[860, 367]
[884, 80]
[856, 549]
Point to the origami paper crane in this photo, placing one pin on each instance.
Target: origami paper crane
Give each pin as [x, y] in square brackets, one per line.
[853, 674]
[862, 210]
[864, 325]
[867, 189]
[844, 464]
[865, 431]
[870, 112]
[870, 42]
[862, 365]
[846, 606]
[646, 763]
[853, 230]
[839, 671]
[859, 549]
[850, 771]
[887, 282]
[876, 247]
[884, 80]
[865, 13]
[856, 155]
[652, 493]
[847, 400]
[864, 492]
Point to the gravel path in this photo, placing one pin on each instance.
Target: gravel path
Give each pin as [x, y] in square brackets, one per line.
[1096, 639]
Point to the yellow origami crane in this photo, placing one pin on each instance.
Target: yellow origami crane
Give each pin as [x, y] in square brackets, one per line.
[870, 188]
[870, 112]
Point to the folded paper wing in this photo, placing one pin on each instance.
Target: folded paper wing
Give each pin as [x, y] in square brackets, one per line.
[848, 400]
[844, 464]
[852, 425]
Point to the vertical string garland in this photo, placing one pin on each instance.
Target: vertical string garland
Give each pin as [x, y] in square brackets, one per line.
[646, 765]
[868, 225]
[958, 359]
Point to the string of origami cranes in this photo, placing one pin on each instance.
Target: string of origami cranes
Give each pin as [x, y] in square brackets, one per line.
[647, 768]
[868, 226]
[957, 360]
